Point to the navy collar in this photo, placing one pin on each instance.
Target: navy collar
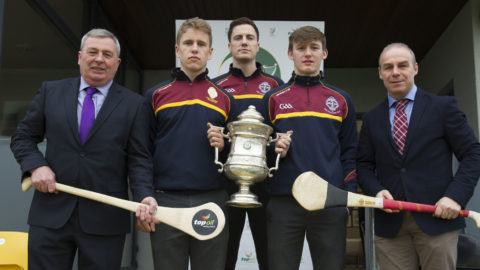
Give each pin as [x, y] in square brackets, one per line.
[181, 76]
[239, 73]
[306, 80]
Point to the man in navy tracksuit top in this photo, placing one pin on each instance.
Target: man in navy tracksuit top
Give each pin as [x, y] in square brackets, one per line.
[184, 172]
[247, 83]
[322, 118]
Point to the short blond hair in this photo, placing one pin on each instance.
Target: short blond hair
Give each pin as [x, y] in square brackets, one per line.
[195, 23]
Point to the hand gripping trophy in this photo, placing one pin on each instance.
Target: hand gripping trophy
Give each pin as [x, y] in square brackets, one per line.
[246, 163]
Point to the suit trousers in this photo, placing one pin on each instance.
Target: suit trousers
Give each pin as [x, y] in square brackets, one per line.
[56, 248]
[174, 249]
[258, 226]
[288, 224]
[412, 247]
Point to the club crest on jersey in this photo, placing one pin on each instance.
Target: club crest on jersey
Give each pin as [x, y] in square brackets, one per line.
[212, 94]
[264, 87]
[331, 105]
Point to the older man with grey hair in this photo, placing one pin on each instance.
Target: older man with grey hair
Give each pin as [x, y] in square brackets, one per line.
[97, 135]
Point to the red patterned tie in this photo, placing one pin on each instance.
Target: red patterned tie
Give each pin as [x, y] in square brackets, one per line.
[400, 124]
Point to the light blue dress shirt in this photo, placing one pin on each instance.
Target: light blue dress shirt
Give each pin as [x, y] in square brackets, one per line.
[98, 98]
[408, 109]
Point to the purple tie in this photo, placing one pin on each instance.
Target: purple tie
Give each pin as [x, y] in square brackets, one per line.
[88, 114]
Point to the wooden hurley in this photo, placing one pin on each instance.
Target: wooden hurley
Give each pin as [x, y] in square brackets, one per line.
[314, 193]
[203, 222]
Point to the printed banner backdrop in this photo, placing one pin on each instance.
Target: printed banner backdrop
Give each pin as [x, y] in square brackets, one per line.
[274, 59]
[247, 259]
[273, 46]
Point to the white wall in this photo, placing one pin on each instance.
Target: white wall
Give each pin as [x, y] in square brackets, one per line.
[451, 59]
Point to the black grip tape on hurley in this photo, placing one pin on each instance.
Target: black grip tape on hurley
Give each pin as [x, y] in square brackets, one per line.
[336, 197]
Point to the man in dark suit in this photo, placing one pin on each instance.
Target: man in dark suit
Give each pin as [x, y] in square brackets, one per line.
[405, 153]
[97, 135]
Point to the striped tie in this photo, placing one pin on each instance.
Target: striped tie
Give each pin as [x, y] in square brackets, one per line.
[400, 124]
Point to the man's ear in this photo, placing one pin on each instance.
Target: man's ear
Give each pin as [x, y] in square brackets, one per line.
[290, 55]
[176, 50]
[210, 53]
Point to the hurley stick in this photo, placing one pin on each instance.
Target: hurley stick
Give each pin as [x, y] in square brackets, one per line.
[314, 193]
[202, 222]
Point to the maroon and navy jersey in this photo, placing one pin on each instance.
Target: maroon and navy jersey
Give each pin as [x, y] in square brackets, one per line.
[183, 157]
[247, 90]
[324, 138]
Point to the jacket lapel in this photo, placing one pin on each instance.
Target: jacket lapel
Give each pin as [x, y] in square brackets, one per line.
[70, 106]
[387, 127]
[112, 100]
[419, 106]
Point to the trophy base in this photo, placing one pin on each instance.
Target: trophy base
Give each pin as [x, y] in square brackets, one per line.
[243, 200]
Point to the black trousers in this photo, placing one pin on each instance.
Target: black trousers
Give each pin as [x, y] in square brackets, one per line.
[173, 249]
[56, 248]
[258, 226]
[288, 224]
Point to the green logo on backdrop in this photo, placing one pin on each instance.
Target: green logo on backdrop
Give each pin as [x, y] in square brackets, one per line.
[269, 63]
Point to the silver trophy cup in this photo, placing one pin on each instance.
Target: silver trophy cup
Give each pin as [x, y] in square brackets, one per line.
[246, 163]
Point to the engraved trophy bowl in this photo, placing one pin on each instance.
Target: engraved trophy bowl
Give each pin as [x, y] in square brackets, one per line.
[246, 163]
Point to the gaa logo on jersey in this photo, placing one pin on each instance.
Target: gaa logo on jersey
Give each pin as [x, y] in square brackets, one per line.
[285, 106]
[332, 105]
[264, 87]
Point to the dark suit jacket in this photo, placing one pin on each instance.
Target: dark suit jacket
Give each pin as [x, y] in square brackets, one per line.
[423, 174]
[117, 146]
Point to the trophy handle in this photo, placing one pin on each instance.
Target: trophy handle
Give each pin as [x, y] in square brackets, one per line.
[219, 163]
[226, 136]
[274, 168]
[278, 135]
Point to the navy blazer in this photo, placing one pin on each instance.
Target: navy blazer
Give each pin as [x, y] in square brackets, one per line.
[423, 174]
[118, 145]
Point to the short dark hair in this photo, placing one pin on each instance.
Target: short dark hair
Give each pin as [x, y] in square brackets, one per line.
[307, 34]
[240, 21]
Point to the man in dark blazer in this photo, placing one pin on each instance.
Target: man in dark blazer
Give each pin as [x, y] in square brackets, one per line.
[419, 170]
[116, 146]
